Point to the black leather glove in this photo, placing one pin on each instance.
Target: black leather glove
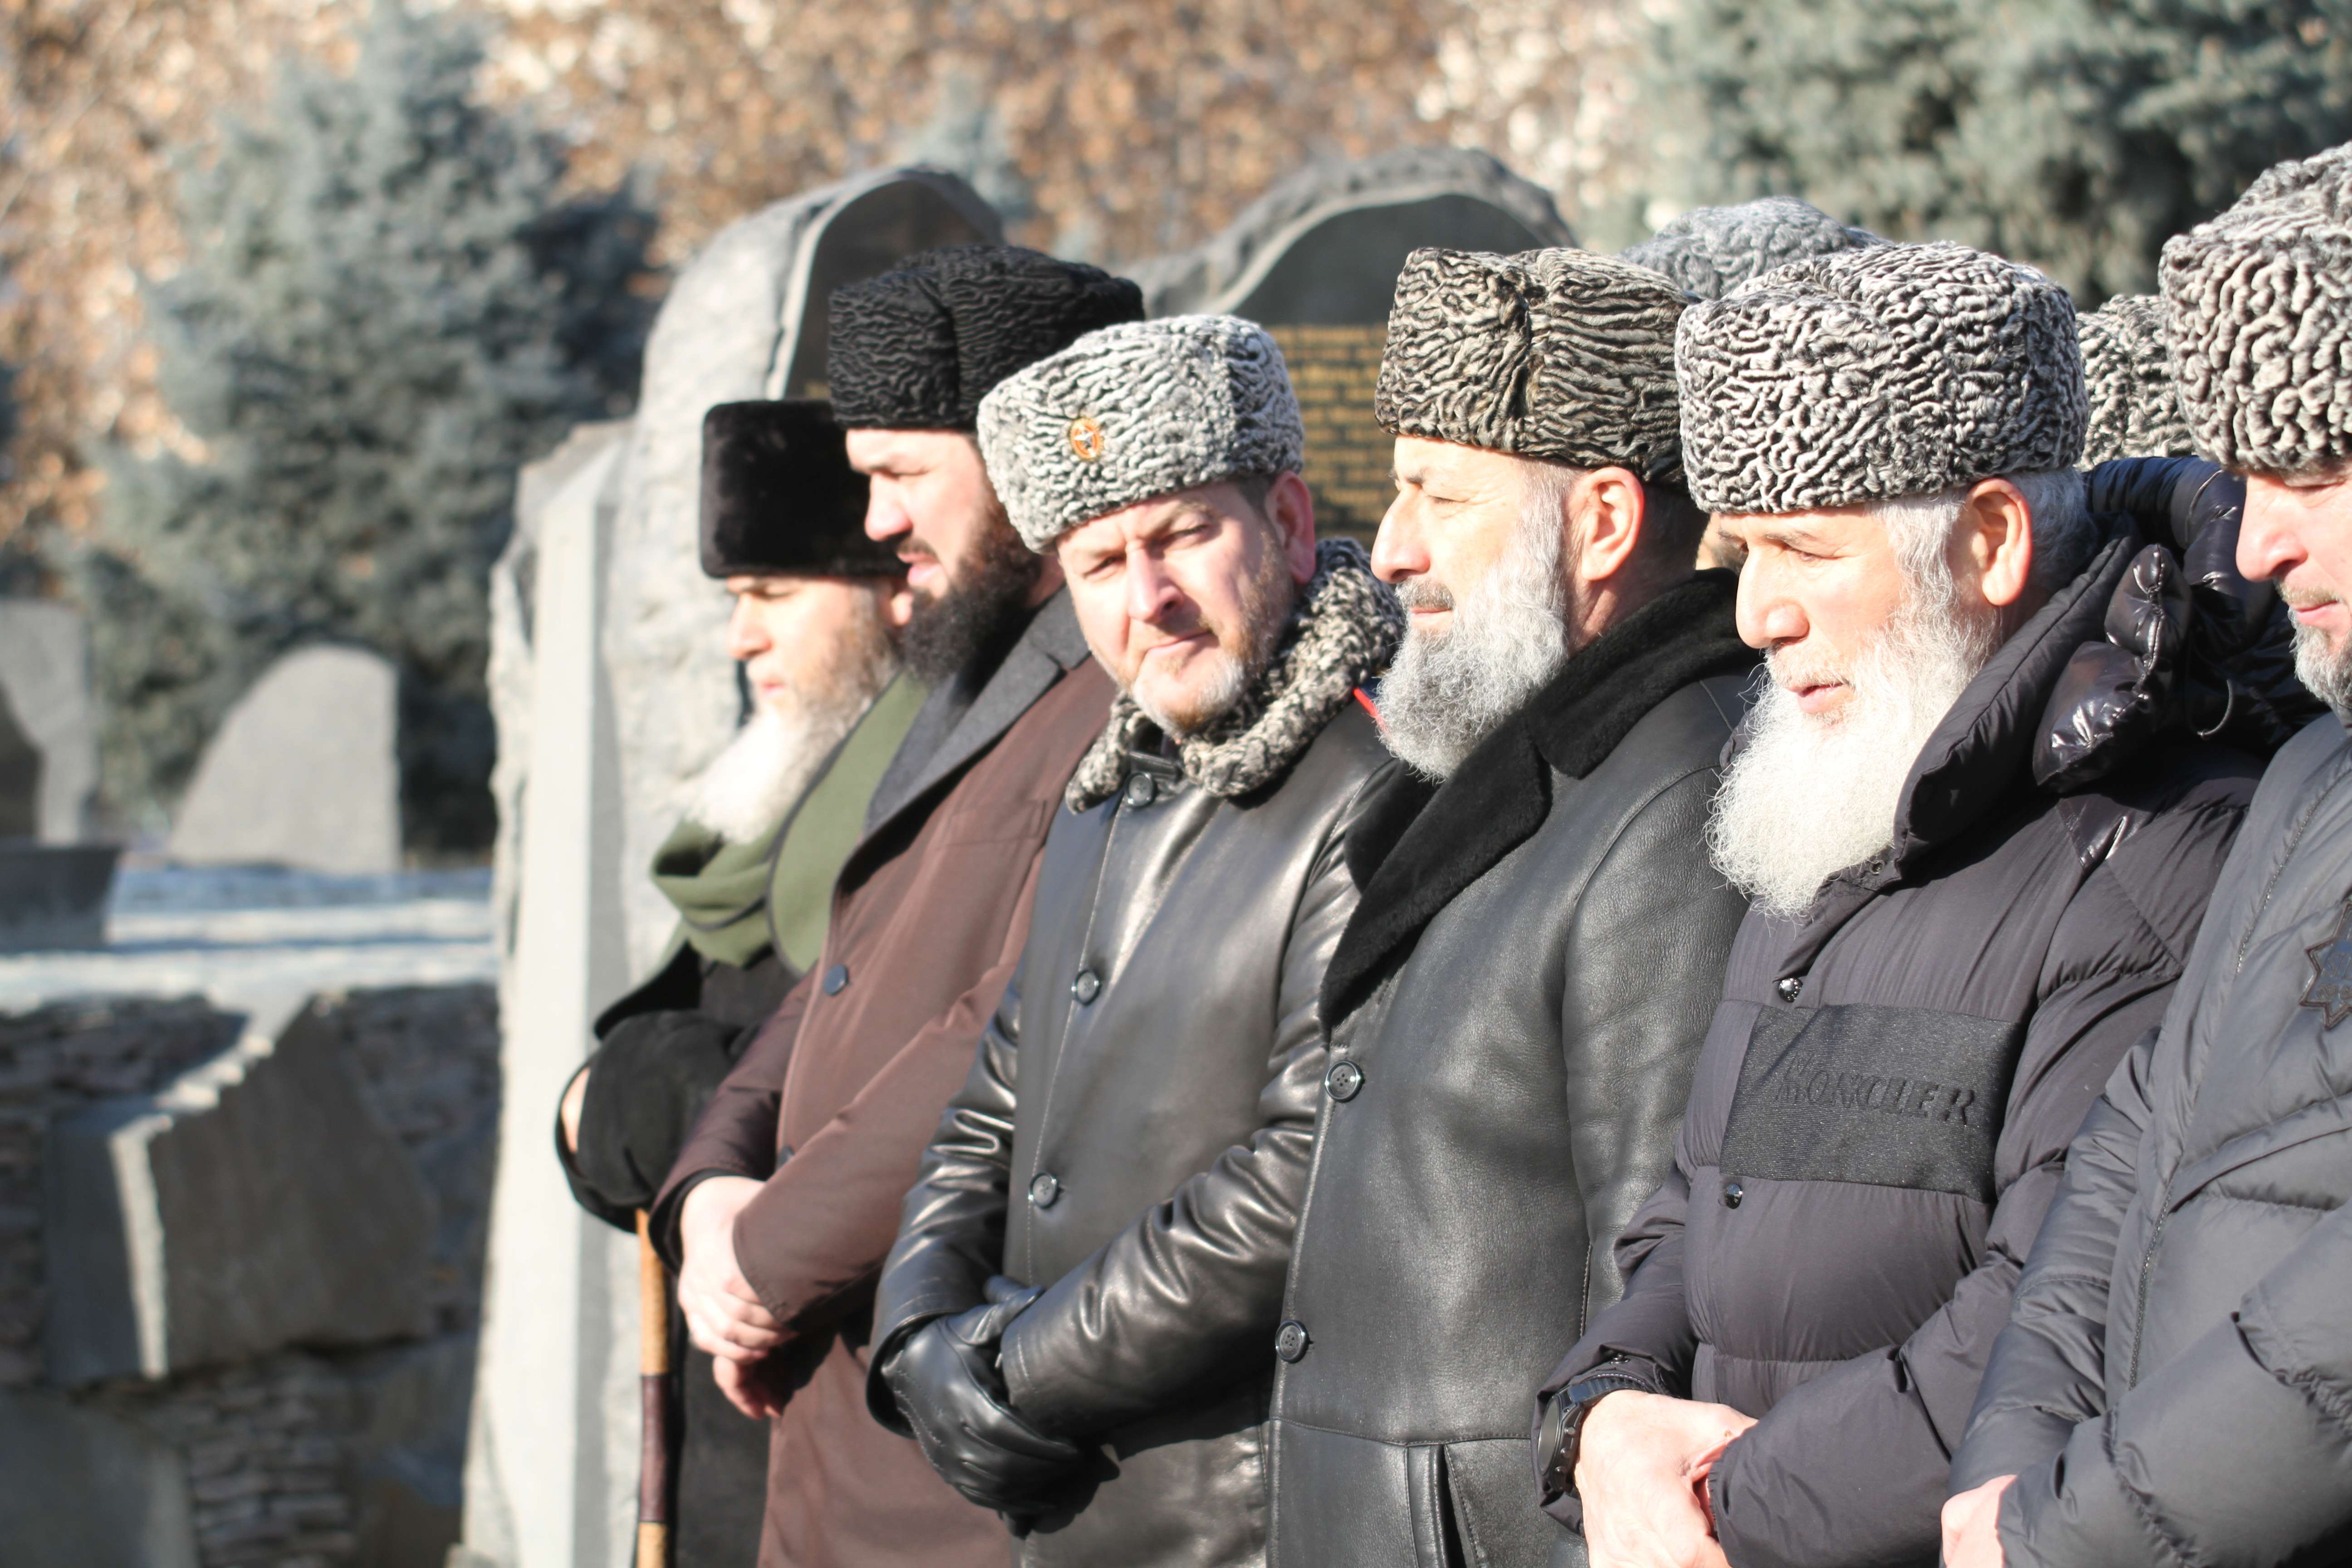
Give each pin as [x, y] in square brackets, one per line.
[945, 1378]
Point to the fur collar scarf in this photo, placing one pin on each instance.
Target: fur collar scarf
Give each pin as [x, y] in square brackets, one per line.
[1346, 627]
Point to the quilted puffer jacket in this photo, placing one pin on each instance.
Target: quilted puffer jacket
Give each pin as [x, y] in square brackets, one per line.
[1884, 1103]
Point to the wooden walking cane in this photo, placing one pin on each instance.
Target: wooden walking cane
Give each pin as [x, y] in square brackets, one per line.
[654, 1483]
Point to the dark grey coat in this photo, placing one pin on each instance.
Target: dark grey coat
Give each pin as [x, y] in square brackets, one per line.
[1134, 1137]
[1878, 1119]
[2175, 1384]
[1516, 1009]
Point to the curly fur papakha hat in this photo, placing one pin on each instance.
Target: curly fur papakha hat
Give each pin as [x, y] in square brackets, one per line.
[920, 346]
[1558, 354]
[1137, 411]
[2128, 372]
[1891, 371]
[2260, 308]
[1710, 251]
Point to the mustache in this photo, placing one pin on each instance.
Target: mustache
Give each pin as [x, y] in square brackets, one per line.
[1421, 594]
[2308, 598]
[1788, 673]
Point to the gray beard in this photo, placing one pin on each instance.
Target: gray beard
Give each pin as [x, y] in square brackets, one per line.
[2327, 673]
[1808, 797]
[1446, 693]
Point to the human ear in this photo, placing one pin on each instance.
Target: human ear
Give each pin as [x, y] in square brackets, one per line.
[1997, 532]
[1612, 507]
[1290, 507]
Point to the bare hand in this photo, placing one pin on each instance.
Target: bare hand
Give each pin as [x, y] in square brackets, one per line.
[575, 1095]
[723, 1315]
[745, 1390]
[1972, 1526]
[1642, 1461]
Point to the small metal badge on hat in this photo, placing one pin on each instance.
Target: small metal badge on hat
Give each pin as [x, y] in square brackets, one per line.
[1087, 439]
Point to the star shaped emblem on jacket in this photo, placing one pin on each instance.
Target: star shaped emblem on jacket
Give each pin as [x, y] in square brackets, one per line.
[2331, 970]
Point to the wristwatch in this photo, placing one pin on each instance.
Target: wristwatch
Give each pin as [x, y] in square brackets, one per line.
[1564, 1422]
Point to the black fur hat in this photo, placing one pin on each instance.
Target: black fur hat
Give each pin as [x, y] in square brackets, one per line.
[778, 495]
[918, 347]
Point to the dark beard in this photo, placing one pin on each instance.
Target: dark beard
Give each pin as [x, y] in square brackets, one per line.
[977, 618]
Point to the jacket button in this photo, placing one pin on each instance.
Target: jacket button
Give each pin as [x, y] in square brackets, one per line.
[1044, 1189]
[1086, 987]
[1343, 1080]
[1732, 1193]
[835, 978]
[1141, 790]
[1790, 988]
[1290, 1340]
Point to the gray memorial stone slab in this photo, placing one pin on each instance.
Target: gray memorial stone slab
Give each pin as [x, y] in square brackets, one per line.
[745, 319]
[1316, 259]
[20, 776]
[613, 691]
[81, 1488]
[301, 773]
[45, 674]
[252, 1204]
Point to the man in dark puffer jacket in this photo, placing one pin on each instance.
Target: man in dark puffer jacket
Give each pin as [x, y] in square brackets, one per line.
[1945, 955]
[2176, 1382]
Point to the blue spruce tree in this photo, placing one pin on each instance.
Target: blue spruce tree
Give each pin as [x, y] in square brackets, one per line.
[2076, 134]
[390, 304]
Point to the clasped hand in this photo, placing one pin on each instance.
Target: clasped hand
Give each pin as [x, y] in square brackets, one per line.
[948, 1387]
[723, 1314]
[1643, 1460]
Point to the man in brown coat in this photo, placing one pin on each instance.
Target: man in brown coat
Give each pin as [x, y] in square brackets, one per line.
[786, 1198]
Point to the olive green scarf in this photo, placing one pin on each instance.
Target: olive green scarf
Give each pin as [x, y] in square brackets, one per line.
[736, 900]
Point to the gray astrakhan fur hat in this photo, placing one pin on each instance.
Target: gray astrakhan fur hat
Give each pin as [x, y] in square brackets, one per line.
[1710, 251]
[1557, 355]
[2260, 301]
[1891, 371]
[2127, 372]
[1135, 411]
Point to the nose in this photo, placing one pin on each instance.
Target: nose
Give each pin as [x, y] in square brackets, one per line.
[1397, 550]
[746, 637]
[2268, 546]
[1768, 617]
[1152, 593]
[885, 514]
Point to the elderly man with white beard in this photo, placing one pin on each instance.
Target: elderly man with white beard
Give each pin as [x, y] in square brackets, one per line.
[1515, 1008]
[750, 869]
[1950, 945]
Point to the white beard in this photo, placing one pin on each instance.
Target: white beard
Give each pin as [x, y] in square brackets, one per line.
[748, 787]
[1508, 638]
[1808, 797]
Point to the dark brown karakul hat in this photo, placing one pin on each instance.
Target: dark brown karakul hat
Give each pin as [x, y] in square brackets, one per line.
[779, 495]
[920, 346]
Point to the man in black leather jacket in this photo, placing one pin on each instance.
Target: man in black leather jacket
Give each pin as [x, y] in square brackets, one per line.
[2175, 1381]
[1074, 1322]
[1516, 1005]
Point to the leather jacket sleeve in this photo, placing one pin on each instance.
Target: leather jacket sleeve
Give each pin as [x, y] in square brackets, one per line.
[951, 1230]
[2234, 1451]
[1631, 1024]
[1886, 1423]
[1193, 1286]
[2048, 1370]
